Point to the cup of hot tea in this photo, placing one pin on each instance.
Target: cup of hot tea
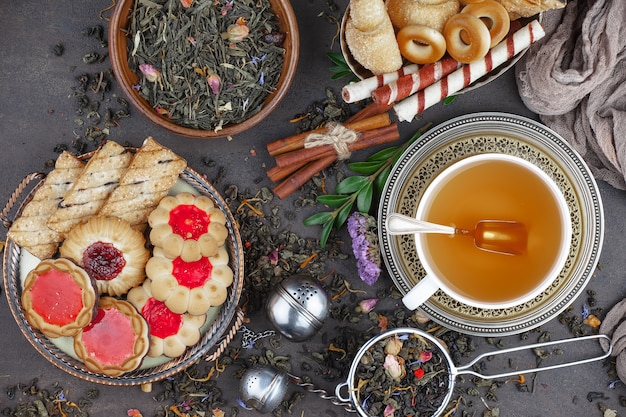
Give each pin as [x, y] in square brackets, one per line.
[491, 186]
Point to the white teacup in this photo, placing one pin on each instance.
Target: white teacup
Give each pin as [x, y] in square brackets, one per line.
[491, 187]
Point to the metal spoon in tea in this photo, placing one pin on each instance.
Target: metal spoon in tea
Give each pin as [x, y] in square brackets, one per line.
[500, 236]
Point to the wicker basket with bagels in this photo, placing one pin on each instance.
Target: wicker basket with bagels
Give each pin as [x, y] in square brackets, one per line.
[401, 47]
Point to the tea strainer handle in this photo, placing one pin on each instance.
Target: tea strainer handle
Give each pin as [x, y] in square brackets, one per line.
[466, 369]
[335, 400]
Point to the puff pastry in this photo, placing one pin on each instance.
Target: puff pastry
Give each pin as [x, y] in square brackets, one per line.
[30, 230]
[94, 185]
[371, 38]
[152, 172]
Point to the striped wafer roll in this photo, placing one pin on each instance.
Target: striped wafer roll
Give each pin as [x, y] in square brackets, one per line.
[361, 90]
[410, 84]
[467, 74]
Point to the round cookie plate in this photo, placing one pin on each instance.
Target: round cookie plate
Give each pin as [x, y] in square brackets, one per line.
[508, 134]
[60, 351]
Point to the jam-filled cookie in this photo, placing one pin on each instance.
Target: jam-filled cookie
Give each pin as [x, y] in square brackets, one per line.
[59, 298]
[187, 226]
[170, 333]
[115, 341]
[190, 287]
[111, 251]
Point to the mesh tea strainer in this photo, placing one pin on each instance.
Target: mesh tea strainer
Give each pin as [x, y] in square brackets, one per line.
[452, 370]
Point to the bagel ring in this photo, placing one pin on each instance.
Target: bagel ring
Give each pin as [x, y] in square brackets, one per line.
[467, 38]
[494, 15]
[421, 44]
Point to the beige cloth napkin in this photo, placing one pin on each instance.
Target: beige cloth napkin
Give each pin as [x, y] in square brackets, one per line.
[575, 80]
[614, 326]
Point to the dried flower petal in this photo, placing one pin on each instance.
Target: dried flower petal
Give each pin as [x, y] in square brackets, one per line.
[151, 73]
[217, 412]
[382, 322]
[273, 256]
[162, 112]
[361, 228]
[186, 3]
[425, 356]
[227, 8]
[236, 32]
[394, 367]
[214, 82]
[592, 321]
[393, 346]
[365, 306]
[419, 373]
[389, 411]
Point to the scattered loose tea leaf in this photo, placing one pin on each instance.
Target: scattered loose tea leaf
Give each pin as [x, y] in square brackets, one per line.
[211, 64]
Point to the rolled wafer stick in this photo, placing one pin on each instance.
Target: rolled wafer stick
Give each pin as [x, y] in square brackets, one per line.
[409, 107]
[361, 90]
[410, 84]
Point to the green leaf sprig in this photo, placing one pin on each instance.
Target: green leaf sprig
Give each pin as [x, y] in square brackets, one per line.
[358, 189]
[340, 68]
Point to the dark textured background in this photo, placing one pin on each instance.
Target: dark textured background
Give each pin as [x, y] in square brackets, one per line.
[37, 113]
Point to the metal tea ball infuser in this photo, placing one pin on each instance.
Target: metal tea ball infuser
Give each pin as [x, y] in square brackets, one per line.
[297, 307]
[263, 387]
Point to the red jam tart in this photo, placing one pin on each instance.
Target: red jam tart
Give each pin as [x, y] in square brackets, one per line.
[111, 251]
[190, 287]
[187, 226]
[59, 298]
[170, 333]
[115, 341]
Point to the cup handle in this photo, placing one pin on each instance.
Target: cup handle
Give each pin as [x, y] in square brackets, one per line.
[420, 292]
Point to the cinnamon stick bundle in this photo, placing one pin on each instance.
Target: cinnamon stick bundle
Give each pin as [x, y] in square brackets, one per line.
[366, 139]
[301, 176]
[292, 143]
[278, 173]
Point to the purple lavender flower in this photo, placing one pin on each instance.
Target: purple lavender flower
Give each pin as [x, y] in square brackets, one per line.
[362, 230]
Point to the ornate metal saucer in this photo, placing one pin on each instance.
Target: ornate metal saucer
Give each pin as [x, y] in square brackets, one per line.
[509, 134]
[222, 322]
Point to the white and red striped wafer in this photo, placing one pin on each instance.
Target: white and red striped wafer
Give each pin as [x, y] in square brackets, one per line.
[408, 108]
[361, 90]
[410, 84]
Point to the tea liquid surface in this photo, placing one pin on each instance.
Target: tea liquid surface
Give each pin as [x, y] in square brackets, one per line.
[494, 190]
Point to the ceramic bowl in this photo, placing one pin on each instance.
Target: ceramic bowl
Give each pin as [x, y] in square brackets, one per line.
[127, 78]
